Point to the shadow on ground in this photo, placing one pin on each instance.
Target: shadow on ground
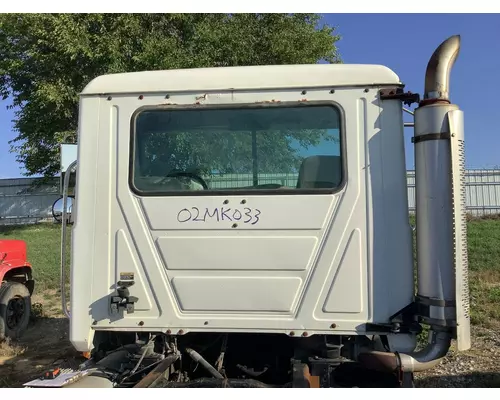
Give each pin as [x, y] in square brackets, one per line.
[44, 345]
[470, 380]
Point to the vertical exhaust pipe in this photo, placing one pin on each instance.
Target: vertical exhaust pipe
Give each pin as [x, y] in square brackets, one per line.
[441, 224]
[437, 75]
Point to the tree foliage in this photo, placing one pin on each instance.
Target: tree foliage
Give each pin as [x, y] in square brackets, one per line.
[47, 59]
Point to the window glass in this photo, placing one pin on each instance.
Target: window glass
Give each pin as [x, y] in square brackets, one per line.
[268, 147]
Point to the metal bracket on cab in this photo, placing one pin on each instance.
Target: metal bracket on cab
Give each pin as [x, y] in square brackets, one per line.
[398, 93]
[122, 298]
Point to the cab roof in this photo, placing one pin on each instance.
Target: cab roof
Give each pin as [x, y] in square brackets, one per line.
[243, 78]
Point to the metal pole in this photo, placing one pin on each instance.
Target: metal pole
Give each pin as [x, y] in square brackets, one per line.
[63, 239]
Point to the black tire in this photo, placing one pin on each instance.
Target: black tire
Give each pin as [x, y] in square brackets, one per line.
[15, 310]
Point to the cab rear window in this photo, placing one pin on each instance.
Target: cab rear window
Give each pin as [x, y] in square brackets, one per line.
[237, 149]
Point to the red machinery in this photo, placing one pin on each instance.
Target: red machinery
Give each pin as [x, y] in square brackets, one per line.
[16, 288]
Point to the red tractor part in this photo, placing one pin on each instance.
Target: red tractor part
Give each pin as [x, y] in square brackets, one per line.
[16, 288]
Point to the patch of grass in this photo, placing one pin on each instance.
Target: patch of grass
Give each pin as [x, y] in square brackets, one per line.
[44, 247]
[484, 246]
[485, 297]
[494, 294]
[484, 265]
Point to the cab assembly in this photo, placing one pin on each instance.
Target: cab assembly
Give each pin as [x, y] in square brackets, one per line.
[249, 227]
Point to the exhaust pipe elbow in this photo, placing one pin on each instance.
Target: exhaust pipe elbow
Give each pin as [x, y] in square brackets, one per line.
[430, 356]
[427, 358]
[437, 75]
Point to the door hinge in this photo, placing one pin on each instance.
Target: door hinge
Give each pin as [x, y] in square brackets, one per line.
[398, 93]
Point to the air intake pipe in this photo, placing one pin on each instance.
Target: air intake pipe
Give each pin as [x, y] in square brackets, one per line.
[441, 225]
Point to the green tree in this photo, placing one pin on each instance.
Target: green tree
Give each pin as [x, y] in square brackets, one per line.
[47, 59]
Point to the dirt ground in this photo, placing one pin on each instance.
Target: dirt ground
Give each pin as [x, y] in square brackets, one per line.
[46, 344]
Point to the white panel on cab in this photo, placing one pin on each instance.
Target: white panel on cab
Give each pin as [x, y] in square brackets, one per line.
[275, 253]
[348, 280]
[236, 294]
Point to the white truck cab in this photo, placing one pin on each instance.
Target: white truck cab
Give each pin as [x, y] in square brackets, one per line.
[255, 220]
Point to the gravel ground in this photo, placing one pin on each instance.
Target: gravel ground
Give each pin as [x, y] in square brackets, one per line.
[478, 367]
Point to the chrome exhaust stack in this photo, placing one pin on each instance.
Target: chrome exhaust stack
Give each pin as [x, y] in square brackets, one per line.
[442, 301]
[443, 289]
[437, 75]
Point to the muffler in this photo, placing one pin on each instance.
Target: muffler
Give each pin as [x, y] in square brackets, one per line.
[442, 298]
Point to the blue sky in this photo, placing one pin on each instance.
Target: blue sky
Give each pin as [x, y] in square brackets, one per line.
[404, 43]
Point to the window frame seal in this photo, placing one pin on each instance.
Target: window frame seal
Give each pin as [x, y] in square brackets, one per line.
[241, 192]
